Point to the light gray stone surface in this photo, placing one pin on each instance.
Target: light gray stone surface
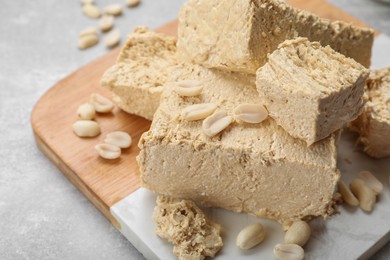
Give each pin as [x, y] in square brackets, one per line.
[42, 215]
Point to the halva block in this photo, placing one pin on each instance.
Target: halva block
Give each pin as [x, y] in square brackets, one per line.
[254, 168]
[310, 90]
[238, 35]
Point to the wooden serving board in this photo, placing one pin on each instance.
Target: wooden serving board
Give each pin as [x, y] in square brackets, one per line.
[105, 182]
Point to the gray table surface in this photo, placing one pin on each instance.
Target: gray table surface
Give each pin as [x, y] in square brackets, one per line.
[42, 215]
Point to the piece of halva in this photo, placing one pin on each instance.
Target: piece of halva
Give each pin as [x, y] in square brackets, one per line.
[310, 90]
[254, 168]
[141, 70]
[373, 125]
[185, 225]
[237, 35]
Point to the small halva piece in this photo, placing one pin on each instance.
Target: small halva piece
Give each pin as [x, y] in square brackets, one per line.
[183, 224]
[141, 71]
[310, 90]
[373, 125]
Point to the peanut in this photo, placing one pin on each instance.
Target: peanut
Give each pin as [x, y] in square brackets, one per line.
[365, 195]
[250, 236]
[299, 233]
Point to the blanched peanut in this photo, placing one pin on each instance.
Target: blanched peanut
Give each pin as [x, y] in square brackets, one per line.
[91, 11]
[88, 40]
[112, 39]
[371, 181]
[89, 30]
[251, 113]
[250, 236]
[132, 3]
[108, 151]
[86, 111]
[299, 233]
[216, 123]
[365, 195]
[289, 252]
[86, 128]
[113, 9]
[118, 138]
[347, 195]
[198, 111]
[106, 23]
[188, 88]
[101, 104]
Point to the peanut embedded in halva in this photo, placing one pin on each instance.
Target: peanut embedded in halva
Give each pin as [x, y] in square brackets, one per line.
[216, 123]
[298, 233]
[250, 236]
[188, 88]
[118, 138]
[251, 113]
[86, 128]
[198, 111]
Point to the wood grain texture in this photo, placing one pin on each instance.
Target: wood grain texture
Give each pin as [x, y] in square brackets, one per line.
[106, 182]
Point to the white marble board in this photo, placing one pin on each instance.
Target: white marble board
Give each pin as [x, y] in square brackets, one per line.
[352, 234]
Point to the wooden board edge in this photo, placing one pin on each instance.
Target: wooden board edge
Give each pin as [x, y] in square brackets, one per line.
[75, 180]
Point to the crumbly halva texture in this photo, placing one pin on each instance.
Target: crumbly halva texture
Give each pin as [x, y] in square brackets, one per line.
[373, 125]
[141, 70]
[254, 168]
[310, 90]
[237, 35]
[182, 223]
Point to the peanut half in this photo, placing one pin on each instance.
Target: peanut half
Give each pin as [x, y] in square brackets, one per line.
[85, 2]
[365, 195]
[86, 128]
[132, 3]
[347, 195]
[91, 11]
[108, 151]
[106, 23]
[87, 41]
[250, 236]
[86, 111]
[371, 181]
[216, 123]
[251, 113]
[198, 111]
[119, 138]
[299, 233]
[89, 30]
[113, 9]
[101, 104]
[112, 39]
[289, 252]
[188, 88]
